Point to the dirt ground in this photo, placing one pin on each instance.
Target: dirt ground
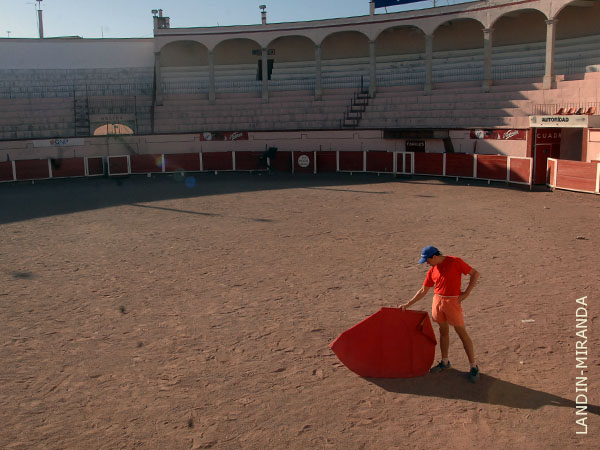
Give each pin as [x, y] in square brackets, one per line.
[159, 313]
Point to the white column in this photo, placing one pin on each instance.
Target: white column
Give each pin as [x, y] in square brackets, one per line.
[372, 69]
[428, 62]
[487, 59]
[158, 80]
[265, 75]
[318, 87]
[550, 40]
[212, 93]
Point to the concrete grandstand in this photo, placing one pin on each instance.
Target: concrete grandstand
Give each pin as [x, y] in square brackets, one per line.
[518, 79]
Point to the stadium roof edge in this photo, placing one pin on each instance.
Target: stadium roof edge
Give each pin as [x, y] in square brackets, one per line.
[364, 19]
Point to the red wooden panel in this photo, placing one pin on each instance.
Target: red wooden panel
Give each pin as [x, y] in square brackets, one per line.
[249, 161]
[491, 167]
[145, 163]
[459, 164]
[217, 161]
[182, 162]
[576, 175]
[95, 166]
[326, 162]
[378, 161]
[520, 170]
[6, 171]
[408, 161]
[351, 161]
[304, 162]
[429, 163]
[117, 165]
[32, 169]
[68, 167]
[282, 161]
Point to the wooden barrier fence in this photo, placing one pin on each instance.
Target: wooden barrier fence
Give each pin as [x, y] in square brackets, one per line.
[458, 165]
[573, 175]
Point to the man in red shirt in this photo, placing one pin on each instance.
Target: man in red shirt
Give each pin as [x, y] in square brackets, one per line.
[445, 274]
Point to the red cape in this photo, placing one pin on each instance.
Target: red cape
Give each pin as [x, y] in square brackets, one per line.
[389, 344]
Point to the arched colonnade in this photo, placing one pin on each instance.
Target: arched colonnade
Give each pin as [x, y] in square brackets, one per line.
[375, 37]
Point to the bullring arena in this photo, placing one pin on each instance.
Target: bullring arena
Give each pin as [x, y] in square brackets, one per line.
[165, 284]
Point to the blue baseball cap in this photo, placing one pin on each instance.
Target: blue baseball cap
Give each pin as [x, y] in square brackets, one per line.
[427, 252]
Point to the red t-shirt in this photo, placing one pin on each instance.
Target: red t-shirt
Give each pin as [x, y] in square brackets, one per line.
[446, 276]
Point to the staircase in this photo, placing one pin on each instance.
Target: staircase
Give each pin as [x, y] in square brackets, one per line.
[358, 105]
[82, 116]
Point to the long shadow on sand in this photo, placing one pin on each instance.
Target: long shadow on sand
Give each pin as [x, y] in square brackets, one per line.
[24, 201]
[453, 384]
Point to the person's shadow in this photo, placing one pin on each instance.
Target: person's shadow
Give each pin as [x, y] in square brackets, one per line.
[453, 384]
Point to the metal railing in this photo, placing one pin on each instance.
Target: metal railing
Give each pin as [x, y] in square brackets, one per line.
[75, 90]
[512, 71]
[574, 66]
[441, 75]
[406, 78]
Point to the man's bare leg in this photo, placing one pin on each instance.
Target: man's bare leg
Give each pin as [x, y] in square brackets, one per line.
[444, 339]
[467, 343]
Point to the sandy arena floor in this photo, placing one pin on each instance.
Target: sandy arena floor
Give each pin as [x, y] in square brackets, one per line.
[149, 314]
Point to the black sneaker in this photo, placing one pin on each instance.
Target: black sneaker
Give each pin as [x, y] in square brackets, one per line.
[474, 374]
[441, 366]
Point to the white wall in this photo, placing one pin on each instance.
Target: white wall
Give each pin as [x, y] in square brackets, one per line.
[463, 143]
[593, 149]
[76, 53]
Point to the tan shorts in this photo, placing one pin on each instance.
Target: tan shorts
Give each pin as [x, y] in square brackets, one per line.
[447, 309]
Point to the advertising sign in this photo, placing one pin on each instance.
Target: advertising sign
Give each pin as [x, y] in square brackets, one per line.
[224, 136]
[500, 135]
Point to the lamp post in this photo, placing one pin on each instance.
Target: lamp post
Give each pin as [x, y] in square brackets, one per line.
[263, 14]
[40, 19]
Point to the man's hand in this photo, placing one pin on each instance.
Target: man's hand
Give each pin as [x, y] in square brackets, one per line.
[461, 297]
[404, 307]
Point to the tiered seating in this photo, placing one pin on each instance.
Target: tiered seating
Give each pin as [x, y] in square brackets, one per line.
[460, 106]
[284, 111]
[33, 83]
[134, 111]
[36, 118]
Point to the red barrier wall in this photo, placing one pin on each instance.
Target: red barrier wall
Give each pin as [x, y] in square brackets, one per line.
[351, 161]
[520, 170]
[579, 176]
[378, 161]
[145, 163]
[6, 171]
[491, 167]
[117, 165]
[217, 161]
[429, 163]
[326, 162]
[459, 165]
[249, 161]
[32, 169]
[68, 167]
[95, 166]
[282, 161]
[311, 162]
[182, 162]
